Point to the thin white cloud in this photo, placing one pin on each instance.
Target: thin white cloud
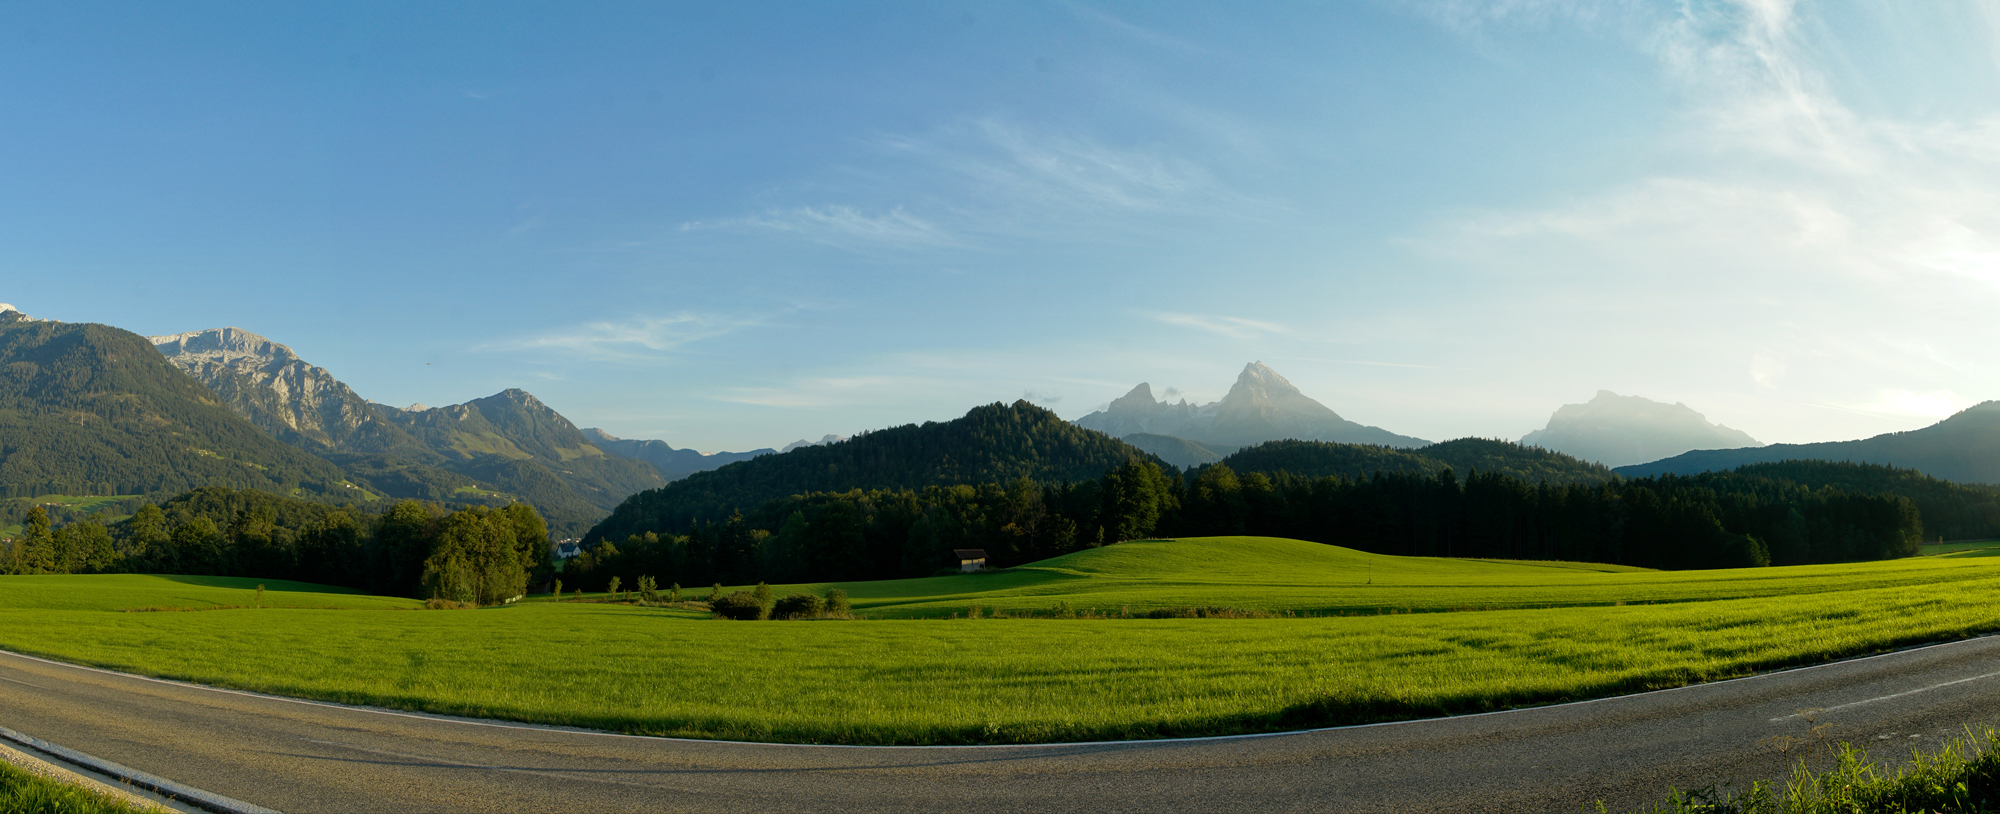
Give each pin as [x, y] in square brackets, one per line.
[1232, 327]
[1800, 250]
[1003, 177]
[1140, 33]
[844, 226]
[819, 392]
[643, 337]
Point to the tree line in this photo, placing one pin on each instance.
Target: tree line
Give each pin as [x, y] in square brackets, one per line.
[1716, 520]
[473, 555]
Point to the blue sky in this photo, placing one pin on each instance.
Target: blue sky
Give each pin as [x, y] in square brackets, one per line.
[734, 225]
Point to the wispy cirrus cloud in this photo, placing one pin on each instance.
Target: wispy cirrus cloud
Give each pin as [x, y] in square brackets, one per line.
[843, 226]
[1232, 327]
[1814, 249]
[1119, 25]
[1934, 405]
[632, 339]
[1039, 174]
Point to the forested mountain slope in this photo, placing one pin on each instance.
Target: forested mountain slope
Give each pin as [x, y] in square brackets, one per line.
[1318, 459]
[513, 440]
[91, 409]
[1963, 448]
[996, 443]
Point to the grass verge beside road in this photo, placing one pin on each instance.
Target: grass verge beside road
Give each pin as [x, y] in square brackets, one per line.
[22, 792]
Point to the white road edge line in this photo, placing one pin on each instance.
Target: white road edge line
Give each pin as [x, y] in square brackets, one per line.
[1883, 697]
[193, 796]
[603, 734]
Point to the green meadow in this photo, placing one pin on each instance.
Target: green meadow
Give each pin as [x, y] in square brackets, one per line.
[1367, 638]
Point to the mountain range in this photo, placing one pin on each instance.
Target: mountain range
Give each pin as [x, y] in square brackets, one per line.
[485, 450]
[1617, 430]
[92, 409]
[673, 464]
[1963, 448]
[1261, 406]
[89, 409]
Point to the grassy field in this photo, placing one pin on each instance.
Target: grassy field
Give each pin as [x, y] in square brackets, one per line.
[670, 671]
[1961, 547]
[1300, 578]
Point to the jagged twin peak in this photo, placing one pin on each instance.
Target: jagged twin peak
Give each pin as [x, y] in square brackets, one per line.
[1617, 430]
[1262, 406]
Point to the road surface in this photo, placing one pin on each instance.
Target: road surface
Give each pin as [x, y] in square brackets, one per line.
[300, 757]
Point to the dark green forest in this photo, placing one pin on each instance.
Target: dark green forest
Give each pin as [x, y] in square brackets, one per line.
[1318, 459]
[474, 555]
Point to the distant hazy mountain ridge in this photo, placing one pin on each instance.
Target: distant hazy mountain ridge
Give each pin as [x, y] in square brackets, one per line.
[1963, 448]
[823, 441]
[673, 464]
[1261, 406]
[1179, 451]
[1617, 430]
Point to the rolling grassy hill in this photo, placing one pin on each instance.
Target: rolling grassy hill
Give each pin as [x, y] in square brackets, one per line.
[1291, 576]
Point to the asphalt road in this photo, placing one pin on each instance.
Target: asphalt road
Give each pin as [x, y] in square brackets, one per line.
[301, 757]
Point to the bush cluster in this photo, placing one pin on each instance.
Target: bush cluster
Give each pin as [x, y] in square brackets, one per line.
[741, 606]
[758, 604]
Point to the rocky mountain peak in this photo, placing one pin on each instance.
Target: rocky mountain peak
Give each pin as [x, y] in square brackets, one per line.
[1261, 406]
[9, 313]
[227, 346]
[1261, 386]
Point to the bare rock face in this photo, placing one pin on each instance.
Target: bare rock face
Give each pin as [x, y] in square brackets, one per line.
[296, 402]
[1617, 430]
[1261, 406]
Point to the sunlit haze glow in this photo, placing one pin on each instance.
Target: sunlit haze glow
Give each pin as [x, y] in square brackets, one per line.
[734, 225]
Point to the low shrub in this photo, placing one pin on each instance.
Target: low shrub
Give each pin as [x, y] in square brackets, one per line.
[741, 606]
[799, 606]
[1204, 613]
[837, 604]
[440, 603]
